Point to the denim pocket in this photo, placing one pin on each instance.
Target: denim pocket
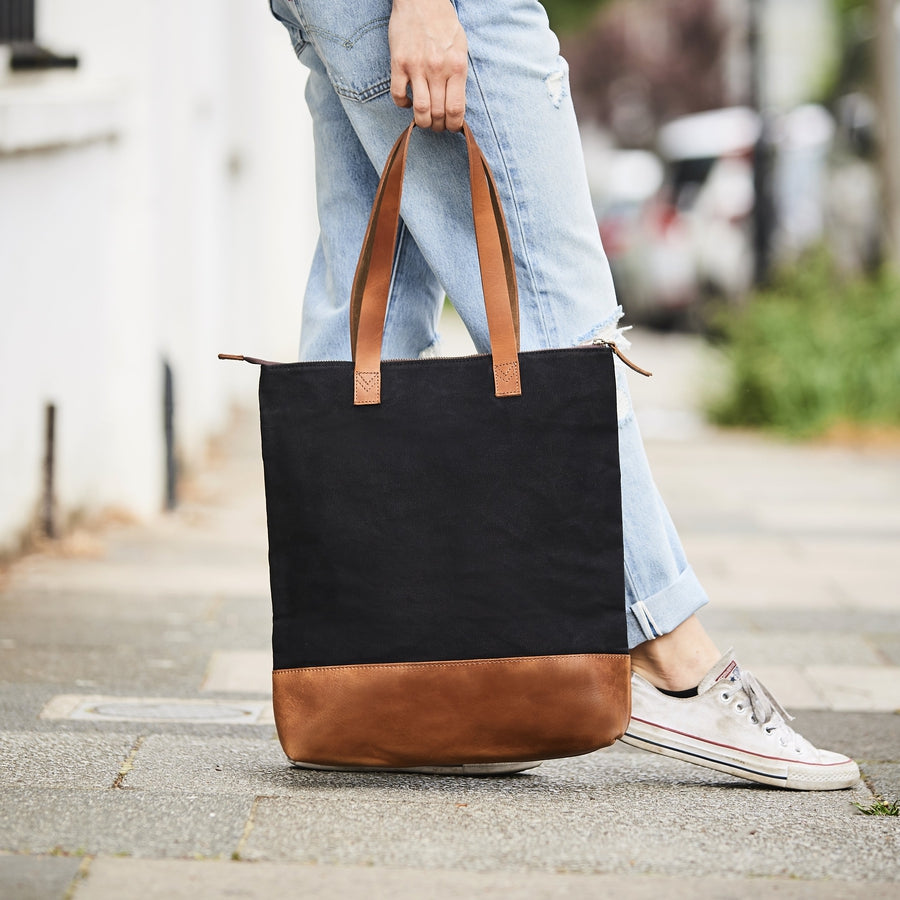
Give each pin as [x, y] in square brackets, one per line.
[358, 61]
[351, 39]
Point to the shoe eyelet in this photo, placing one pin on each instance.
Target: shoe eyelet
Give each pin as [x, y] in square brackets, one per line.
[725, 696]
[754, 720]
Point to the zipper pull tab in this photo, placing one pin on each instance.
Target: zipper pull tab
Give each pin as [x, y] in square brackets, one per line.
[248, 359]
[633, 366]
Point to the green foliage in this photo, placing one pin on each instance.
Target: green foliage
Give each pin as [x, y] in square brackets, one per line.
[847, 8]
[567, 15]
[879, 808]
[813, 353]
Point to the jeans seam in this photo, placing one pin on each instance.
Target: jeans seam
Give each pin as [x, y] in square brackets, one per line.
[630, 585]
[353, 39]
[376, 90]
[512, 191]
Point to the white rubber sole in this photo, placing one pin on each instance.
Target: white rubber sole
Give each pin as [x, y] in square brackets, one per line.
[499, 768]
[777, 772]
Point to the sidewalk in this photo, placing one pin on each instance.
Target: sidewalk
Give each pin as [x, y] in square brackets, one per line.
[139, 757]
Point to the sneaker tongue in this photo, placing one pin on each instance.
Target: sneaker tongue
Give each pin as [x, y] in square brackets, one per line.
[722, 670]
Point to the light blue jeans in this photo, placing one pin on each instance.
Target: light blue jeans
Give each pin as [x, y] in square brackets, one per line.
[519, 109]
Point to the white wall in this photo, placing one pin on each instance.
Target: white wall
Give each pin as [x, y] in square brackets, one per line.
[156, 203]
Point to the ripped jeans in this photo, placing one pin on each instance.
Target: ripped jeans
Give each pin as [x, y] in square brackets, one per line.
[519, 108]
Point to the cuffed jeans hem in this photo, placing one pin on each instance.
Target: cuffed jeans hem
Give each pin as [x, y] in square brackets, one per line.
[665, 611]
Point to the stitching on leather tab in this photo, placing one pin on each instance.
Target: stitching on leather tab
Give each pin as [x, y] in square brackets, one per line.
[506, 379]
[367, 387]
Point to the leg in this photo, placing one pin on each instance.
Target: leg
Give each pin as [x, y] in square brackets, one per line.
[519, 108]
[346, 180]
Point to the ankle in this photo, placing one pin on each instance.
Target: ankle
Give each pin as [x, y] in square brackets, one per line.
[679, 660]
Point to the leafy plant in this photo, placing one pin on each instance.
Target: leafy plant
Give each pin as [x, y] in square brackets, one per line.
[879, 808]
[813, 353]
[567, 15]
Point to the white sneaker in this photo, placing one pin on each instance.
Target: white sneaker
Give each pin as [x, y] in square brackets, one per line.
[500, 768]
[736, 726]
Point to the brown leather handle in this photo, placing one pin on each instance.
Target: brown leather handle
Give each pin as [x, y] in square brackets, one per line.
[371, 284]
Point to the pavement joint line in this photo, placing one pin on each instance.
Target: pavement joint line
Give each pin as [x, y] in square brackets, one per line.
[248, 828]
[84, 870]
[128, 764]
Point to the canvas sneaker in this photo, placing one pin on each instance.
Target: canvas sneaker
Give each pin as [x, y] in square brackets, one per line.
[736, 726]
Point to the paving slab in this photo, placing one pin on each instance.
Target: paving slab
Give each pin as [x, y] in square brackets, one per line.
[112, 879]
[239, 671]
[774, 647]
[115, 821]
[872, 688]
[884, 779]
[85, 761]
[204, 765]
[37, 877]
[661, 828]
[888, 646]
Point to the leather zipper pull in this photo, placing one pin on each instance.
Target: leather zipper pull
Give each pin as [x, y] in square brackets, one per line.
[248, 359]
[633, 366]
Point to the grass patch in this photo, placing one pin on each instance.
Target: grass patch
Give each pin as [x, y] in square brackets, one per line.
[879, 808]
[813, 353]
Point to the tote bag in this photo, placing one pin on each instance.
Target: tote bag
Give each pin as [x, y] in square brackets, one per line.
[445, 535]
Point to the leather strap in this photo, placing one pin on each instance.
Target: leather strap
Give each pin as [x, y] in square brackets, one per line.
[371, 284]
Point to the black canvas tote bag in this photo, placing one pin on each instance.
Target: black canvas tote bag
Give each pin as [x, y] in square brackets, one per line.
[445, 535]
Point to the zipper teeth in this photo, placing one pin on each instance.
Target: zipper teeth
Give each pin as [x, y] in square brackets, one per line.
[601, 344]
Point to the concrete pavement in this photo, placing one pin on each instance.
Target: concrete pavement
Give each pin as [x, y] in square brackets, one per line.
[139, 757]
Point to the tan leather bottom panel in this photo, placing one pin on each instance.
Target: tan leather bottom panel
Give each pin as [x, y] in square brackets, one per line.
[453, 712]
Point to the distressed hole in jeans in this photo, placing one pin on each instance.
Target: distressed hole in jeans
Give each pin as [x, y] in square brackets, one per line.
[612, 332]
[555, 83]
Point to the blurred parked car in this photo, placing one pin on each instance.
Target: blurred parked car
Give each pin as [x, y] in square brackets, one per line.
[646, 241]
[678, 226]
[709, 163]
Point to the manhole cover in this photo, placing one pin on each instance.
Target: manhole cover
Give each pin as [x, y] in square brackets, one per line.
[158, 709]
[167, 711]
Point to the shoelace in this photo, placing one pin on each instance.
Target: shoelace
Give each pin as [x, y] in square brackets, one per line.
[767, 712]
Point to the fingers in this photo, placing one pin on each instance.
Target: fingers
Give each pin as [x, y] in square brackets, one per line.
[428, 100]
[422, 102]
[438, 103]
[429, 60]
[399, 85]
[455, 103]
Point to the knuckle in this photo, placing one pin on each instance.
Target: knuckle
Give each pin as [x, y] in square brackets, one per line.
[458, 63]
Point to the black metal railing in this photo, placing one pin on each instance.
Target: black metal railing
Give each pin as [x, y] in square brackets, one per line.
[16, 21]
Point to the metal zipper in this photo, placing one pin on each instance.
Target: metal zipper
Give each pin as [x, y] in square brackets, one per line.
[597, 342]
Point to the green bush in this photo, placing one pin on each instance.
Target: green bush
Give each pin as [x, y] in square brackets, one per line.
[813, 352]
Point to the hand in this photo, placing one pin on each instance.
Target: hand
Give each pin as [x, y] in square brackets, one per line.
[429, 53]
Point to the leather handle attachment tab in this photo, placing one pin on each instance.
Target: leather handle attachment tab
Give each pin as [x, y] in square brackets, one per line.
[371, 284]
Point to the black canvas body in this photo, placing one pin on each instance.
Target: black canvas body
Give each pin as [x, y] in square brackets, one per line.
[444, 523]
